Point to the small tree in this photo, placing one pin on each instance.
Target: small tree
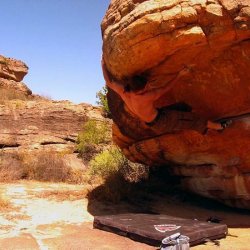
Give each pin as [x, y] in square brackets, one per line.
[93, 135]
[107, 163]
[103, 101]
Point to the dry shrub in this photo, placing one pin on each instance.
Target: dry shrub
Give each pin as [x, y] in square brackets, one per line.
[77, 176]
[107, 164]
[134, 172]
[63, 195]
[10, 94]
[46, 166]
[50, 166]
[90, 150]
[5, 204]
[159, 182]
[10, 167]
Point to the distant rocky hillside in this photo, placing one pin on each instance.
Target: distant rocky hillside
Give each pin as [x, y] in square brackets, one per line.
[41, 124]
[12, 73]
[29, 123]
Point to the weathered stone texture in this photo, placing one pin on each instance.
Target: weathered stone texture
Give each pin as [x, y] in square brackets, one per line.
[210, 41]
[12, 72]
[30, 123]
[12, 69]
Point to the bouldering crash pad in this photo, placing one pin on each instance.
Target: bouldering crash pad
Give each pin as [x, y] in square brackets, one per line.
[152, 228]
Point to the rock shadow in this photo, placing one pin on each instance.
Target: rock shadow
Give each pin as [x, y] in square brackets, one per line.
[161, 194]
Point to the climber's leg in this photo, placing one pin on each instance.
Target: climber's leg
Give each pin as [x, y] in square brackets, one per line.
[170, 121]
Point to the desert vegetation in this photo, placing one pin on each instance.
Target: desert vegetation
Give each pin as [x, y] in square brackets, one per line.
[112, 162]
[5, 204]
[95, 136]
[7, 95]
[11, 168]
[63, 195]
[118, 175]
[3, 61]
[107, 166]
[104, 161]
[47, 166]
[102, 100]
[10, 94]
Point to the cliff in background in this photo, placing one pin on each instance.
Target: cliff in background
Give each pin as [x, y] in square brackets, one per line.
[30, 123]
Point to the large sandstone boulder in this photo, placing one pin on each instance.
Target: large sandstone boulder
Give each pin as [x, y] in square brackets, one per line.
[209, 40]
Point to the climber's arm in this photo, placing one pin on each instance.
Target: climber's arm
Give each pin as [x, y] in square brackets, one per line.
[105, 72]
[116, 87]
[157, 93]
[113, 85]
[214, 125]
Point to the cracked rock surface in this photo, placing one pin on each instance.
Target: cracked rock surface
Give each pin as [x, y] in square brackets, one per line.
[209, 40]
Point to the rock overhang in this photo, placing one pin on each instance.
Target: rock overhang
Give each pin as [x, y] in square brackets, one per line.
[209, 41]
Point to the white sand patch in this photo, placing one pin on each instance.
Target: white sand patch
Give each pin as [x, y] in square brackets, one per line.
[43, 211]
[34, 212]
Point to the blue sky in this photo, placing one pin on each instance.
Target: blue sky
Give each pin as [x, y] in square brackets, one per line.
[60, 41]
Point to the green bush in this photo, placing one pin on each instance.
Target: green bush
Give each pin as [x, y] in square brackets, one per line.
[103, 101]
[94, 133]
[107, 163]
[111, 162]
[119, 175]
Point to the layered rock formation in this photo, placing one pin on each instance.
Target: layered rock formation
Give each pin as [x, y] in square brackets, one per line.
[30, 124]
[12, 73]
[203, 47]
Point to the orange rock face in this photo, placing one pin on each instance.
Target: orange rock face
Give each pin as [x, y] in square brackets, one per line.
[210, 42]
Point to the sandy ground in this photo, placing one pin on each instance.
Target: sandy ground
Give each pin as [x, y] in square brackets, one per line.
[58, 216]
[53, 216]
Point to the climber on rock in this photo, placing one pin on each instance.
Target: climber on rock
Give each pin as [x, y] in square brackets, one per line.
[141, 102]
